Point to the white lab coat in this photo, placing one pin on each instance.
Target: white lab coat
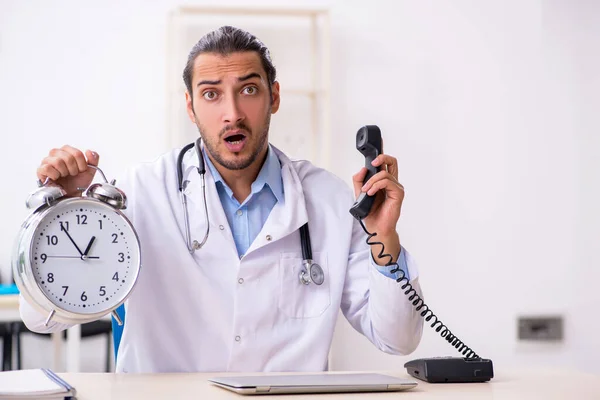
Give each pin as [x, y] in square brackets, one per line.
[213, 311]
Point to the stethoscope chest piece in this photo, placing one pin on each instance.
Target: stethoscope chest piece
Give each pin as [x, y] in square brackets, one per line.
[312, 272]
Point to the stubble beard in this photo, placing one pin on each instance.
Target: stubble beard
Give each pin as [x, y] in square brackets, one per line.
[239, 164]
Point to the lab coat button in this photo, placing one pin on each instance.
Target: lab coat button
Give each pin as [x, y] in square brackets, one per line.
[221, 227]
[269, 238]
[237, 338]
[241, 280]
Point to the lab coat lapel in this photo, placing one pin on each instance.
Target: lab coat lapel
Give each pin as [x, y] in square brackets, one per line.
[288, 217]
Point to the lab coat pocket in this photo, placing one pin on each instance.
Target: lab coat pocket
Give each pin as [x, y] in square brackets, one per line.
[297, 300]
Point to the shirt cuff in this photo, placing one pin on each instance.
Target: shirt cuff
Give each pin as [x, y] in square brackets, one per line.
[385, 270]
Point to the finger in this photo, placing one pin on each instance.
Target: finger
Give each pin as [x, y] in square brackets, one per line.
[58, 164]
[78, 155]
[47, 171]
[93, 158]
[357, 180]
[391, 187]
[390, 163]
[67, 159]
[376, 178]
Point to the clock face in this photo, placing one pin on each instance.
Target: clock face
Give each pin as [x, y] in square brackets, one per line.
[85, 256]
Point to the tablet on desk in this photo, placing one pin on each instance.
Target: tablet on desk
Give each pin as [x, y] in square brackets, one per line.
[318, 383]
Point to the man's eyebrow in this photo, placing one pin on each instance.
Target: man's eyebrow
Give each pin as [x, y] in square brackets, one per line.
[205, 82]
[240, 79]
[250, 75]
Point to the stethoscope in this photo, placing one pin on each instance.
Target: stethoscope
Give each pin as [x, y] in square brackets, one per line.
[311, 271]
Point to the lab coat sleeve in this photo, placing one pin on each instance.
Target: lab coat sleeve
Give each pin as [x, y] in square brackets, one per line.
[376, 305]
[34, 320]
[386, 270]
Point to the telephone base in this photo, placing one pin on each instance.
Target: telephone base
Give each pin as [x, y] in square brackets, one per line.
[451, 369]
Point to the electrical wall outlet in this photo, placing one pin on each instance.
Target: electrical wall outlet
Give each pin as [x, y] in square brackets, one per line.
[540, 328]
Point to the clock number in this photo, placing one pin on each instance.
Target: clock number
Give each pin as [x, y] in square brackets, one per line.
[50, 277]
[52, 240]
[65, 292]
[100, 221]
[116, 277]
[64, 226]
[102, 291]
[115, 236]
[83, 297]
[43, 256]
[81, 219]
[121, 257]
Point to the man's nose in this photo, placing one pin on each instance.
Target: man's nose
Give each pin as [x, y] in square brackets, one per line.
[233, 112]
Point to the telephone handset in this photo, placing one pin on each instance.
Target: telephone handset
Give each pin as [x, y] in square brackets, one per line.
[471, 368]
[368, 143]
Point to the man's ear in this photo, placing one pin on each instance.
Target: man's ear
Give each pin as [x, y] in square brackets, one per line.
[275, 99]
[190, 107]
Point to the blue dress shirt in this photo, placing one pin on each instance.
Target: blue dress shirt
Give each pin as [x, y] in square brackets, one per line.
[247, 219]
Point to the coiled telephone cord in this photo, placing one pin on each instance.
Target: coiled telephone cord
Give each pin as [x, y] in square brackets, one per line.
[418, 302]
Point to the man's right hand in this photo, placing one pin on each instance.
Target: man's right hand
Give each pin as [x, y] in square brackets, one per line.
[68, 168]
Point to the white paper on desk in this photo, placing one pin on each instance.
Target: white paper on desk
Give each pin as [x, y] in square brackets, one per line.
[29, 383]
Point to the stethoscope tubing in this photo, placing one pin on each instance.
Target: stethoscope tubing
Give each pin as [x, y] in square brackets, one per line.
[311, 271]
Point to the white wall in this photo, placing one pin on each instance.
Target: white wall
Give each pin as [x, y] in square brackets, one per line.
[579, 35]
[489, 107]
[484, 105]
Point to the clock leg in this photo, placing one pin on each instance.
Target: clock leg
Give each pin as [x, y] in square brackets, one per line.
[49, 317]
[117, 318]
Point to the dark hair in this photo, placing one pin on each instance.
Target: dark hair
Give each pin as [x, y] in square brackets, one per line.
[224, 41]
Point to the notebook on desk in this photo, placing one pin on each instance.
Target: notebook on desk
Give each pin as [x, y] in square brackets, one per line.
[30, 384]
[317, 383]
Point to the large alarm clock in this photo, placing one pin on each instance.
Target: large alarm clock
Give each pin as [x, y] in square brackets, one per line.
[77, 259]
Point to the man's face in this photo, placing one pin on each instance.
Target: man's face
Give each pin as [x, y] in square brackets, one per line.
[232, 106]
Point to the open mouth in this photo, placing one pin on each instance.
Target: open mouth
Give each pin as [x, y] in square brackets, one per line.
[234, 141]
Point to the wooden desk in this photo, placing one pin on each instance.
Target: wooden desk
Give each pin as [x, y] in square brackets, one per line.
[547, 385]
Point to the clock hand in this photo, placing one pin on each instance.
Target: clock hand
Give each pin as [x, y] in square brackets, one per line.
[70, 257]
[63, 257]
[89, 246]
[71, 239]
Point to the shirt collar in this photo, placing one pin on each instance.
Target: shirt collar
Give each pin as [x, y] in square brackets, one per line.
[269, 175]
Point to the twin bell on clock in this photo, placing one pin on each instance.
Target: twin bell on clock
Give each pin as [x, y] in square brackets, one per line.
[76, 259]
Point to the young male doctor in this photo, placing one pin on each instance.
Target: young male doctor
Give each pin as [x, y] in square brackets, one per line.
[237, 304]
